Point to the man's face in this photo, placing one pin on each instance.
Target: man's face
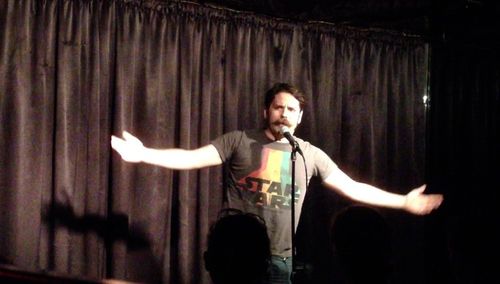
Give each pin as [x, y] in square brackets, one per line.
[284, 110]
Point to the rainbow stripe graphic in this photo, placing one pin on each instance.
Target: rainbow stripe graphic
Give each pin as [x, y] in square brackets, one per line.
[271, 183]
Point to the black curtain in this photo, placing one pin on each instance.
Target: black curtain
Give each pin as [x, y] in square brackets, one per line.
[464, 139]
[74, 72]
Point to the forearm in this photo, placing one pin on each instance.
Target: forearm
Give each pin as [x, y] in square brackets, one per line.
[372, 195]
[132, 150]
[362, 192]
[177, 159]
[181, 159]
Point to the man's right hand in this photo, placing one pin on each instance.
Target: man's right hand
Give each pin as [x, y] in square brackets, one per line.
[130, 148]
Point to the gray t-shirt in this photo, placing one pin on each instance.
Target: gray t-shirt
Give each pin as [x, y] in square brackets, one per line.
[259, 179]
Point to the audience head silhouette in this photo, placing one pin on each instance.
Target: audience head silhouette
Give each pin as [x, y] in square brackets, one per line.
[238, 248]
[362, 241]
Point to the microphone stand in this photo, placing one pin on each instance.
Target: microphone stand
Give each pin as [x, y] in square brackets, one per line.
[295, 149]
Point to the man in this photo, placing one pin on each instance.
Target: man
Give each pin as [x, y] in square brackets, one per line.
[259, 172]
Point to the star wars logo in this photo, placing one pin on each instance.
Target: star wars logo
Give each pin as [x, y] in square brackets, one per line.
[269, 193]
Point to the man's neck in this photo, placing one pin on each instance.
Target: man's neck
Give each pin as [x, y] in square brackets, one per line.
[275, 137]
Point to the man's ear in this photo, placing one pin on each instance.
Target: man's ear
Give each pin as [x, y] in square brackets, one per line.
[265, 114]
[299, 119]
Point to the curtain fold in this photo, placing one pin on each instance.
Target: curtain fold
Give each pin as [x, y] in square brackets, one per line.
[27, 80]
[81, 130]
[74, 72]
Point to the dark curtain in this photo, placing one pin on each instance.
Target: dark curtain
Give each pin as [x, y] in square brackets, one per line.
[72, 73]
[463, 158]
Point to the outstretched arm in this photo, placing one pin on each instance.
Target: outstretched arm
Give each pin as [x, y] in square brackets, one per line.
[415, 202]
[132, 150]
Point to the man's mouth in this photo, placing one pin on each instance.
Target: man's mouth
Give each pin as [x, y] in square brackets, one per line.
[282, 123]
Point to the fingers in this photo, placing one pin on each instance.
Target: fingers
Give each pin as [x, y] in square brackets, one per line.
[422, 204]
[421, 188]
[118, 143]
[129, 137]
[433, 202]
[115, 142]
[129, 147]
[438, 199]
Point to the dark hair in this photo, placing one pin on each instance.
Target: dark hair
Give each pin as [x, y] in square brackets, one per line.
[238, 248]
[361, 239]
[284, 87]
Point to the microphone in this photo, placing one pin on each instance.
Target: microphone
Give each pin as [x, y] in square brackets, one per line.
[285, 131]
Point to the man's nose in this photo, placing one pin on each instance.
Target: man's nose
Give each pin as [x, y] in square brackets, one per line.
[285, 112]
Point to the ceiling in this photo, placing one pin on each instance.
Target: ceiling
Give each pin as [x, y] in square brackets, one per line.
[437, 19]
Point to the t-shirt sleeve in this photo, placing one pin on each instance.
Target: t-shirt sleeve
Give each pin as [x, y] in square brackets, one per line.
[323, 163]
[226, 144]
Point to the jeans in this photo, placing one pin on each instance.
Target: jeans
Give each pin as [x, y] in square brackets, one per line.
[280, 270]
